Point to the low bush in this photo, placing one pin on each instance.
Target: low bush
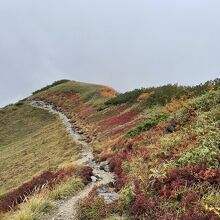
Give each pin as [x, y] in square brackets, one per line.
[115, 165]
[105, 156]
[146, 125]
[202, 104]
[120, 119]
[164, 94]
[174, 105]
[126, 97]
[67, 188]
[127, 197]
[48, 179]
[20, 103]
[198, 213]
[208, 150]
[187, 176]
[211, 200]
[107, 92]
[94, 208]
[20, 194]
[201, 154]
[143, 207]
[32, 209]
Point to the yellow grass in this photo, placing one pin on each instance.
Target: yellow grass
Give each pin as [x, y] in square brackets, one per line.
[42, 203]
[31, 141]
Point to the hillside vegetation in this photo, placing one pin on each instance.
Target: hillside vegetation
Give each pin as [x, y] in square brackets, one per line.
[31, 141]
[95, 94]
[162, 143]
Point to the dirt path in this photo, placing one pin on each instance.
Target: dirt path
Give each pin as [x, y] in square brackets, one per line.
[67, 209]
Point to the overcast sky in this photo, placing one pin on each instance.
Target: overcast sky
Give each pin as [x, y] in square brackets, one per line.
[122, 43]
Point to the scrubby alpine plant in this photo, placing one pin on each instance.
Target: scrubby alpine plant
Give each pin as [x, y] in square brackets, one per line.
[162, 143]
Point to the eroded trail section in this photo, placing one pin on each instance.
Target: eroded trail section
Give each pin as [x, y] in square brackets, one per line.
[67, 209]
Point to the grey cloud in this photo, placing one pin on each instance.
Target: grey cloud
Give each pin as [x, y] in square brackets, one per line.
[122, 43]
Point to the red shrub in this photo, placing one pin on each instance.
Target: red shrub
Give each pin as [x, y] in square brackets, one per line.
[115, 165]
[46, 179]
[118, 143]
[84, 173]
[143, 206]
[105, 156]
[139, 201]
[190, 199]
[117, 159]
[18, 195]
[144, 153]
[194, 213]
[168, 216]
[166, 192]
[120, 182]
[120, 119]
[197, 213]
[187, 176]
[124, 128]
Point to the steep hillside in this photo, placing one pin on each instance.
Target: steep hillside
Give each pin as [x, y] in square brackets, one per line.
[31, 141]
[161, 142]
[37, 152]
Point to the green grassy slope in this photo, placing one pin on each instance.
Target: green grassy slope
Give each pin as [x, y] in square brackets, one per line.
[31, 141]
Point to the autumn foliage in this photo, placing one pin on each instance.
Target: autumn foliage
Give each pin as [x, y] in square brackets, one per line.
[48, 179]
[107, 92]
[120, 119]
[154, 140]
[187, 176]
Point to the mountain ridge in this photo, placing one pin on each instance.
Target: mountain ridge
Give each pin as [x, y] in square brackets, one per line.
[162, 143]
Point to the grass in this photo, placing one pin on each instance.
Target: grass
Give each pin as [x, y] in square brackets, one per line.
[18, 121]
[94, 208]
[145, 125]
[157, 157]
[50, 86]
[162, 172]
[31, 141]
[68, 188]
[116, 218]
[31, 210]
[42, 203]
[88, 92]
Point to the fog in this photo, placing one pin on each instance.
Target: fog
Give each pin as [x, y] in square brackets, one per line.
[125, 44]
